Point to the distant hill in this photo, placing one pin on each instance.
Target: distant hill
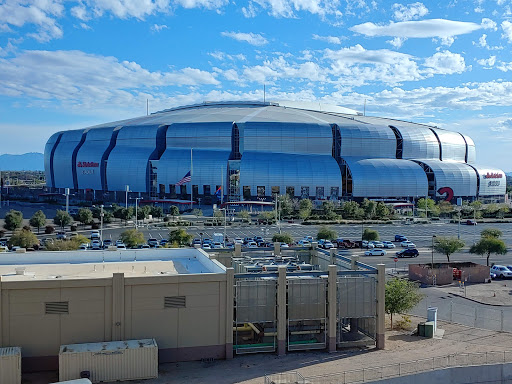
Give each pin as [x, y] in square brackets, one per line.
[32, 161]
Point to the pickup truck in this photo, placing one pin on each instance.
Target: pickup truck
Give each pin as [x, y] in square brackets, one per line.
[344, 243]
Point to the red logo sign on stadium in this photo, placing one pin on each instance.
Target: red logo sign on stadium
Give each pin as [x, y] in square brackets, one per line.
[87, 164]
[493, 176]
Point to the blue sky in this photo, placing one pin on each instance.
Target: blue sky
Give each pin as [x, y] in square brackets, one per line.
[68, 64]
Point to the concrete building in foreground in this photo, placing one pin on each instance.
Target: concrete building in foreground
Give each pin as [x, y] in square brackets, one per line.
[193, 306]
[258, 149]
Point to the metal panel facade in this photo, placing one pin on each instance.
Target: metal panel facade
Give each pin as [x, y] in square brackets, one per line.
[47, 157]
[460, 177]
[209, 167]
[289, 170]
[418, 141]
[62, 158]
[366, 140]
[286, 138]
[387, 178]
[453, 145]
[471, 149]
[89, 157]
[128, 161]
[493, 182]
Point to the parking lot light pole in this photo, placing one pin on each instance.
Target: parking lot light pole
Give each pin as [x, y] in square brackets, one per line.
[101, 222]
[136, 207]
[433, 237]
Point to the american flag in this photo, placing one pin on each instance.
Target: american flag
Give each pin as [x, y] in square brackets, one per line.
[185, 179]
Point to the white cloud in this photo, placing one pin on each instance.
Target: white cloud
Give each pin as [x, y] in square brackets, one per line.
[489, 24]
[409, 12]
[507, 30]
[222, 56]
[39, 13]
[397, 42]
[487, 63]
[80, 12]
[479, 10]
[75, 77]
[251, 38]
[503, 126]
[328, 39]
[158, 28]
[445, 63]
[482, 41]
[417, 29]
[504, 67]
[289, 8]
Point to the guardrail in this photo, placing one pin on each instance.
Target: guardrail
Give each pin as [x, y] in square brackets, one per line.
[365, 375]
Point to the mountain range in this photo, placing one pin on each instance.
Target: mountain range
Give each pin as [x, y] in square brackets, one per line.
[32, 161]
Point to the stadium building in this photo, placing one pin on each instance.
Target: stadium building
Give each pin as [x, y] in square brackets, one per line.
[248, 150]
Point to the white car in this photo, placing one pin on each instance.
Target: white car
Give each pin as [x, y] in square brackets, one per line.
[501, 271]
[388, 244]
[284, 245]
[378, 244]
[327, 245]
[366, 244]
[121, 246]
[303, 243]
[84, 246]
[217, 245]
[239, 240]
[375, 252]
[96, 244]
[408, 244]
[252, 244]
[206, 246]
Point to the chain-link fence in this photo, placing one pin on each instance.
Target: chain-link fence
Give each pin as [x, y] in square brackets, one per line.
[475, 315]
[368, 374]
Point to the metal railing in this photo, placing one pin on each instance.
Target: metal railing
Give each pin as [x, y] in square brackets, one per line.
[285, 378]
[368, 374]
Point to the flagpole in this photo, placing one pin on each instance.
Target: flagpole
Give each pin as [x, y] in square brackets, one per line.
[191, 187]
[222, 186]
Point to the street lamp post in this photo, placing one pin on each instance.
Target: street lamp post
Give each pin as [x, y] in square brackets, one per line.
[126, 201]
[101, 222]
[458, 228]
[433, 237]
[136, 208]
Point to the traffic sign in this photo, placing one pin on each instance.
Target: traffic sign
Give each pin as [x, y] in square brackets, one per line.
[395, 259]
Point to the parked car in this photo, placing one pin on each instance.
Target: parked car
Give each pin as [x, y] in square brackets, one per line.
[284, 245]
[61, 236]
[470, 222]
[152, 242]
[107, 243]
[258, 239]
[95, 244]
[217, 245]
[501, 271]
[196, 241]
[492, 275]
[309, 238]
[388, 244]
[239, 240]
[367, 244]
[84, 246]
[95, 234]
[407, 244]
[121, 246]
[327, 245]
[303, 243]
[409, 252]
[164, 241]
[378, 244]
[251, 244]
[247, 240]
[375, 252]
[207, 246]
[144, 246]
[400, 238]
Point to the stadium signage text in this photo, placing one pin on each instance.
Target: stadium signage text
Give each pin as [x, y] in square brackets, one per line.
[87, 164]
[493, 176]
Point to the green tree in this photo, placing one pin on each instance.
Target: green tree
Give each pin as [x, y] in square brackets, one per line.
[491, 232]
[305, 208]
[107, 217]
[328, 209]
[244, 215]
[445, 207]
[156, 212]
[38, 220]
[13, 220]
[143, 212]
[326, 233]
[381, 210]
[401, 296]
[62, 218]
[126, 214]
[84, 216]
[132, 238]
[369, 208]
[175, 211]
[349, 209]
[282, 238]
[448, 245]
[197, 212]
[427, 207]
[285, 205]
[67, 245]
[24, 239]
[268, 215]
[370, 235]
[180, 237]
[488, 245]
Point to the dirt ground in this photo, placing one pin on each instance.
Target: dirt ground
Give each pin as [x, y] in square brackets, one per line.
[498, 292]
[401, 346]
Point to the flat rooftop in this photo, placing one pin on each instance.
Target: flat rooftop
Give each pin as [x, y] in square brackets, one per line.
[103, 264]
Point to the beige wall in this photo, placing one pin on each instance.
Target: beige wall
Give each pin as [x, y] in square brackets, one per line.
[106, 309]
